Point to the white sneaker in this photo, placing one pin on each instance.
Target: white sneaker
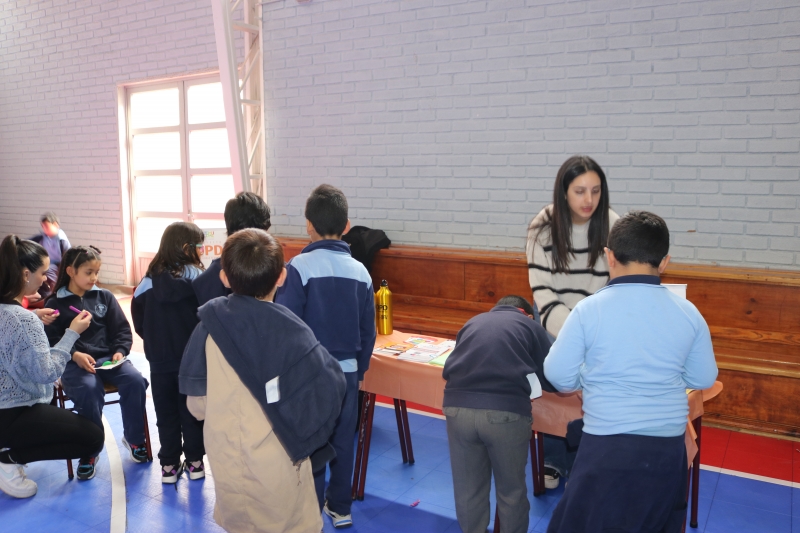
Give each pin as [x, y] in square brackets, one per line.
[14, 483]
[338, 519]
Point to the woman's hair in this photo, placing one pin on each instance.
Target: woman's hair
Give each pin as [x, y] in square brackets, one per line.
[75, 257]
[16, 255]
[559, 220]
[178, 249]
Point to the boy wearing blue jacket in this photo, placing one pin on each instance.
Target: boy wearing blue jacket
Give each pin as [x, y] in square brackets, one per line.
[332, 293]
[634, 348]
[245, 210]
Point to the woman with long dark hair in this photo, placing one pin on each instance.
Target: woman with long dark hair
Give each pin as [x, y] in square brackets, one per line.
[31, 429]
[567, 263]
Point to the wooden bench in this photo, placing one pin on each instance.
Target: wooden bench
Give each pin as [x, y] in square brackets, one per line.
[753, 315]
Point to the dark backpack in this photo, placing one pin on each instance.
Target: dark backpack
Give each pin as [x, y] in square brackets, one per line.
[365, 243]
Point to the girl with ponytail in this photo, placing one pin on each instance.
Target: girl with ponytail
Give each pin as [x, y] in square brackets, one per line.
[31, 429]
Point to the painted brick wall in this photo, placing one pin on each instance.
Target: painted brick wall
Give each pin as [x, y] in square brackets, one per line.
[445, 120]
[60, 63]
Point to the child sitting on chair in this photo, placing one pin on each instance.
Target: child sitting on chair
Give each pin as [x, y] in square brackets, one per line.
[268, 391]
[634, 348]
[108, 339]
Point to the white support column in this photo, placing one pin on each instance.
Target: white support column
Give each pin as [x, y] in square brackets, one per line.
[242, 90]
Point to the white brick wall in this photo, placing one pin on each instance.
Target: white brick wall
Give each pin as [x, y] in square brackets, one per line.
[60, 63]
[445, 121]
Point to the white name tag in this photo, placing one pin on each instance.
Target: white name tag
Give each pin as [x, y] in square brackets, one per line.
[536, 387]
[273, 391]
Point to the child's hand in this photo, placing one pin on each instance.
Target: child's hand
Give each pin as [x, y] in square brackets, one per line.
[81, 322]
[46, 315]
[85, 361]
[117, 357]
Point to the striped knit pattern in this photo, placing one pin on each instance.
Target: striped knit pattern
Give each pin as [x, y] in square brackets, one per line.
[557, 294]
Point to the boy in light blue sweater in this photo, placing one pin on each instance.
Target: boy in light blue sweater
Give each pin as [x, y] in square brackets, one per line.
[634, 348]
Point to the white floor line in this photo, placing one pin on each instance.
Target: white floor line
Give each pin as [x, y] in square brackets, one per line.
[765, 479]
[118, 507]
[736, 473]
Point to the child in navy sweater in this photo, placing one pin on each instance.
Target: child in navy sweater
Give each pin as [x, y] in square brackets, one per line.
[164, 312]
[245, 210]
[108, 338]
[332, 293]
[497, 361]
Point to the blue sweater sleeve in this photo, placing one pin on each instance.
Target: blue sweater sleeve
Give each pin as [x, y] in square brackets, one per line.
[700, 370]
[562, 366]
[368, 332]
[293, 293]
[193, 375]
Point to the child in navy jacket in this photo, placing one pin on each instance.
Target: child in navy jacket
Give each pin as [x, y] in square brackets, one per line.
[332, 293]
[164, 312]
[498, 359]
[245, 210]
[108, 338]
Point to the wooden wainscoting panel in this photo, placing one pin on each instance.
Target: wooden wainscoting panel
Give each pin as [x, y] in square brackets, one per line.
[407, 275]
[488, 283]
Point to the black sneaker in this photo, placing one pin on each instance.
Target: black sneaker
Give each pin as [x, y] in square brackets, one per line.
[551, 478]
[195, 469]
[138, 451]
[171, 473]
[87, 468]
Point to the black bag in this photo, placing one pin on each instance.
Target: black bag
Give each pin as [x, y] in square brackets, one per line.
[365, 243]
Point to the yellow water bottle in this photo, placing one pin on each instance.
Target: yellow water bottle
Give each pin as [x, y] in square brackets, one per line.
[383, 309]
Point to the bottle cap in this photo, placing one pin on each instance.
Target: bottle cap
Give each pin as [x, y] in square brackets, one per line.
[384, 283]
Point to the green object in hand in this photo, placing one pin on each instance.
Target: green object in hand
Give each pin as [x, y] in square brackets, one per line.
[108, 363]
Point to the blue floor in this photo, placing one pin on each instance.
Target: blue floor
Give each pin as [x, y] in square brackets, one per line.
[727, 503]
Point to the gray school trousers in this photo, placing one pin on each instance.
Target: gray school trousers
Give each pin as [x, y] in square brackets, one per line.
[485, 443]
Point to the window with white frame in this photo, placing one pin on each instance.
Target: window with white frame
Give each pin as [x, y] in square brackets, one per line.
[179, 160]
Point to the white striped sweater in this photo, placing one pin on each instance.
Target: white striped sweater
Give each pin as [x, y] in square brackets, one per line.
[557, 294]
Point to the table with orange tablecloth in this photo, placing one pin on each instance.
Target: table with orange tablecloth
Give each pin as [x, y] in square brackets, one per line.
[423, 384]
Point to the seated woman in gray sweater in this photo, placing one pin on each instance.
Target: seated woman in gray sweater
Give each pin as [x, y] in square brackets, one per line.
[31, 429]
[498, 357]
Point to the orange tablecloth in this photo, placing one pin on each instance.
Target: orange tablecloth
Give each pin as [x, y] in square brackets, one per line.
[423, 384]
[406, 380]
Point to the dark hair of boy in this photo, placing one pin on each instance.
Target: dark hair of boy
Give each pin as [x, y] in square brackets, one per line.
[252, 261]
[516, 301]
[177, 250]
[639, 237]
[50, 217]
[75, 257]
[559, 220]
[246, 210]
[16, 255]
[326, 209]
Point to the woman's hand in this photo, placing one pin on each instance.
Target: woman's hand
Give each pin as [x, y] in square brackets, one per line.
[81, 322]
[46, 315]
[85, 361]
[117, 357]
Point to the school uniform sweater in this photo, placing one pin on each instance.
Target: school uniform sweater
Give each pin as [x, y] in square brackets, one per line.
[298, 384]
[332, 293]
[556, 294]
[107, 334]
[494, 354]
[164, 312]
[207, 284]
[634, 348]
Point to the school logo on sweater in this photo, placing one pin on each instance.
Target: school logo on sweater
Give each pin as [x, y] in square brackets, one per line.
[100, 310]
